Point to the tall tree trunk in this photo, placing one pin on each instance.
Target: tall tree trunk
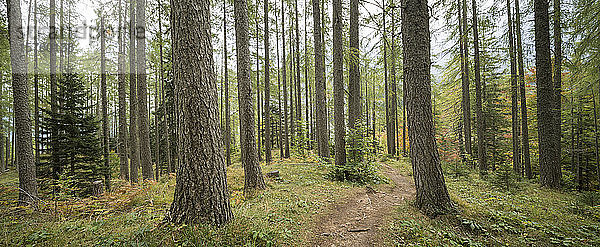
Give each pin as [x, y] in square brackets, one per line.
[466, 95]
[481, 154]
[597, 151]
[134, 145]
[297, 78]
[227, 106]
[36, 73]
[579, 175]
[104, 102]
[258, 99]
[267, 85]
[557, 78]
[389, 131]
[253, 178]
[279, 101]
[53, 79]
[286, 116]
[320, 85]
[523, 94]
[338, 85]
[142, 87]
[393, 97]
[124, 168]
[201, 194]
[355, 97]
[516, 159]
[432, 196]
[550, 171]
[24, 147]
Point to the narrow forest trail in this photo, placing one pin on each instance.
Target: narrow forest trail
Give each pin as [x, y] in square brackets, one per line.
[360, 219]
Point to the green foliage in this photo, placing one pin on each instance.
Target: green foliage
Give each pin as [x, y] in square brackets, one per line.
[358, 168]
[504, 177]
[73, 146]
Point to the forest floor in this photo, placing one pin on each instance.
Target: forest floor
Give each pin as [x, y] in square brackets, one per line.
[303, 208]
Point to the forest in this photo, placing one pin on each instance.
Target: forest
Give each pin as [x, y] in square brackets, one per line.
[299, 123]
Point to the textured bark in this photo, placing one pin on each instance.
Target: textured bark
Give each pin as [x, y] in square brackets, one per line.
[36, 106]
[104, 97]
[267, 85]
[124, 168]
[134, 151]
[516, 157]
[523, 94]
[297, 78]
[557, 78]
[142, 87]
[53, 78]
[286, 116]
[320, 85]
[258, 99]
[550, 171]
[338, 85]
[596, 147]
[201, 194]
[355, 97]
[279, 101]
[466, 95]
[432, 196]
[226, 78]
[253, 178]
[24, 147]
[481, 152]
[389, 131]
[392, 127]
[307, 106]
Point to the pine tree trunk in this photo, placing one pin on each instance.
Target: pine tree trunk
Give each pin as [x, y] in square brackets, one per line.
[389, 131]
[597, 151]
[142, 87]
[36, 106]
[286, 116]
[105, 148]
[432, 196]
[466, 95]
[2, 148]
[201, 194]
[550, 171]
[393, 120]
[557, 78]
[279, 90]
[24, 147]
[516, 158]
[320, 85]
[124, 168]
[481, 152]
[297, 78]
[307, 106]
[53, 79]
[258, 99]
[355, 97]
[227, 106]
[267, 85]
[523, 94]
[252, 172]
[134, 145]
[338, 85]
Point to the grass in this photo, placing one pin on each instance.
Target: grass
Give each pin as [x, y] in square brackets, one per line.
[526, 216]
[133, 216]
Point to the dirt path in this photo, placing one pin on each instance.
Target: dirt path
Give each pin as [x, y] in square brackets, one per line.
[359, 219]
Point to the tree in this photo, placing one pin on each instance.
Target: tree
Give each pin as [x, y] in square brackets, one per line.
[76, 148]
[105, 147]
[124, 168]
[267, 85]
[286, 116]
[201, 194]
[227, 106]
[24, 147]
[338, 85]
[142, 87]
[524, 121]
[134, 145]
[466, 95]
[36, 106]
[355, 97]
[481, 154]
[432, 196]
[320, 85]
[550, 171]
[557, 79]
[253, 178]
[516, 158]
